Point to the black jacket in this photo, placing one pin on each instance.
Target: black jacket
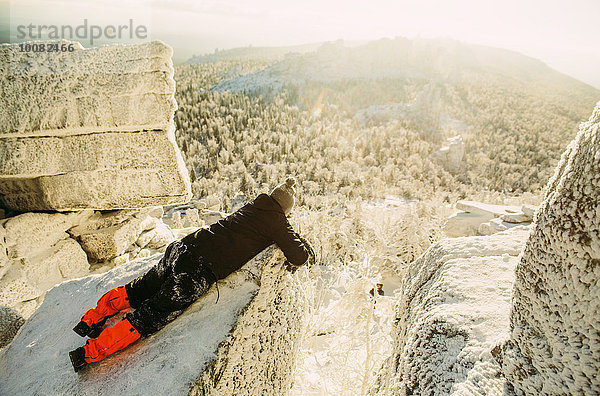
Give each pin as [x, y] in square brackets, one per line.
[229, 243]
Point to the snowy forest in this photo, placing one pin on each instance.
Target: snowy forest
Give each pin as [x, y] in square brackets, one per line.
[330, 133]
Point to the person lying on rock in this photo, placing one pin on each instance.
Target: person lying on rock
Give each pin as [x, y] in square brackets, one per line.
[187, 270]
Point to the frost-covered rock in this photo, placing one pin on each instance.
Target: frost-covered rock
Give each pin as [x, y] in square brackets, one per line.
[144, 253]
[108, 86]
[91, 128]
[29, 277]
[64, 260]
[37, 362]
[145, 238]
[162, 237]
[485, 209]
[176, 220]
[453, 309]
[120, 260]
[259, 356]
[451, 156]
[29, 233]
[39, 254]
[156, 212]
[106, 235]
[17, 293]
[471, 215]
[4, 261]
[105, 243]
[192, 218]
[149, 223]
[554, 345]
[529, 210]
[516, 217]
[10, 322]
[40, 250]
[497, 225]
[491, 227]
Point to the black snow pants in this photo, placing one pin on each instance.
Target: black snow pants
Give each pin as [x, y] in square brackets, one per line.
[167, 289]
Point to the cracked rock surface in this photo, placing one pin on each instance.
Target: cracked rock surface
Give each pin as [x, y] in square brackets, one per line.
[91, 128]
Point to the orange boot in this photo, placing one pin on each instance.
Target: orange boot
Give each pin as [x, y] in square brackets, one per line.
[114, 301]
[111, 340]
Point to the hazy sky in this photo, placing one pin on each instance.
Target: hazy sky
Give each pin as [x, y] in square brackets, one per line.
[563, 34]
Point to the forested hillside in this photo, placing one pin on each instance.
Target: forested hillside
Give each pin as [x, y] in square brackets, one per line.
[365, 121]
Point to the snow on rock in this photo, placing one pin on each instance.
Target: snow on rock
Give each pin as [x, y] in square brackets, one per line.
[474, 218]
[192, 218]
[259, 356]
[149, 223]
[29, 233]
[27, 279]
[156, 211]
[107, 236]
[495, 225]
[451, 156]
[39, 254]
[41, 250]
[554, 345]
[162, 237]
[485, 209]
[516, 217]
[453, 309]
[91, 128]
[104, 243]
[529, 210]
[168, 362]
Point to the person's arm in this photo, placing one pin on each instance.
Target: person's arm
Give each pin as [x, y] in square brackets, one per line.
[296, 250]
[312, 258]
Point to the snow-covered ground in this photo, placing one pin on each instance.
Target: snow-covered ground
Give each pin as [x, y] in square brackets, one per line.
[348, 333]
[37, 361]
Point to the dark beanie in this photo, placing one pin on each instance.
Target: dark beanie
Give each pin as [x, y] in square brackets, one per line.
[284, 195]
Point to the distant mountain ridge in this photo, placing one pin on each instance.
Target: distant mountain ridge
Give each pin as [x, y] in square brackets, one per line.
[514, 113]
[243, 53]
[437, 59]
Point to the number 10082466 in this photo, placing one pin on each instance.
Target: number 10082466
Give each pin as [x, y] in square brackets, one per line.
[46, 47]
